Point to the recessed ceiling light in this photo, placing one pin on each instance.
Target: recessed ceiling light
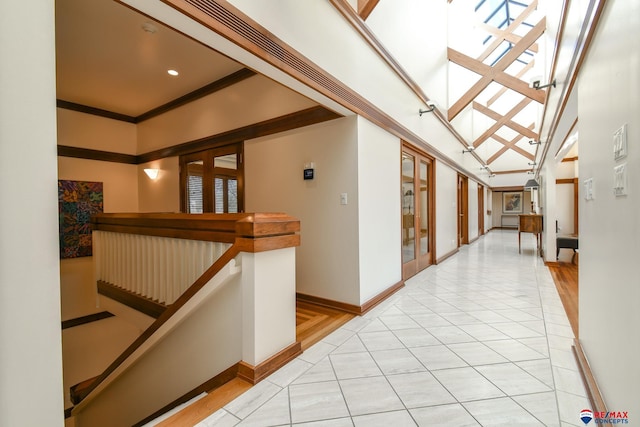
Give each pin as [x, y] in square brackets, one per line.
[172, 72]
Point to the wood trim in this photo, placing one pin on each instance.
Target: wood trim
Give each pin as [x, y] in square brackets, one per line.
[511, 171]
[371, 303]
[83, 320]
[206, 387]
[255, 374]
[352, 308]
[137, 302]
[307, 117]
[365, 7]
[447, 256]
[337, 305]
[213, 87]
[512, 188]
[67, 105]
[570, 159]
[104, 156]
[287, 122]
[269, 231]
[565, 181]
[590, 384]
[576, 189]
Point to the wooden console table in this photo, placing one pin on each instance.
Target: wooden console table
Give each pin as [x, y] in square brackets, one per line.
[530, 223]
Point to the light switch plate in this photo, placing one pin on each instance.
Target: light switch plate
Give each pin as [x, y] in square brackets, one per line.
[620, 180]
[588, 189]
[620, 143]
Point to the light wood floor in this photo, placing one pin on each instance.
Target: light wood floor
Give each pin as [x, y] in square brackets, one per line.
[313, 322]
[565, 276]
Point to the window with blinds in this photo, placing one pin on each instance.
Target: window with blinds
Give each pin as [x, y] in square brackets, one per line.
[211, 180]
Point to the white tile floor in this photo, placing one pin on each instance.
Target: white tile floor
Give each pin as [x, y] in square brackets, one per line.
[481, 339]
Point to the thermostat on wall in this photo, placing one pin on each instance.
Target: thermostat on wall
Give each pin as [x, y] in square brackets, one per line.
[308, 170]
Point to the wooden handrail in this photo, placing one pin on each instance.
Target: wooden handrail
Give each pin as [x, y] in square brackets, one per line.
[208, 227]
[250, 232]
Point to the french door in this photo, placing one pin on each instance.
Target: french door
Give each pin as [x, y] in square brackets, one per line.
[212, 180]
[463, 210]
[417, 212]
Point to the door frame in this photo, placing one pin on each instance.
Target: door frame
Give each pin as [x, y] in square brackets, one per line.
[419, 262]
[463, 210]
[480, 209]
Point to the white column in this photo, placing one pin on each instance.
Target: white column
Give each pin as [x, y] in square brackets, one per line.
[268, 303]
[30, 337]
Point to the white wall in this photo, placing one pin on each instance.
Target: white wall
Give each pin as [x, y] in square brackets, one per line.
[31, 353]
[327, 262]
[378, 210]
[163, 193]
[609, 225]
[355, 63]
[97, 133]
[77, 286]
[250, 101]
[446, 210]
[564, 209]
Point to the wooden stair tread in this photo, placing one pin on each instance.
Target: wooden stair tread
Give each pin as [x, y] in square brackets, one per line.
[209, 404]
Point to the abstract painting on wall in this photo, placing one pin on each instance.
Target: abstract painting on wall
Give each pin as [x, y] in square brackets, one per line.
[77, 201]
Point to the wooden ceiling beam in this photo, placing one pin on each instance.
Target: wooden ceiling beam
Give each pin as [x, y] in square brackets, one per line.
[489, 74]
[509, 145]
[509, 123]
[503, 90]
[511, 171]
[497, 125]
[501, 77]
[510, 37]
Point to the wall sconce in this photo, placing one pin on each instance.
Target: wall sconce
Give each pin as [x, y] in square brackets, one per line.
[431, 105]
[152, 173]
[532, 142]
[469, 149]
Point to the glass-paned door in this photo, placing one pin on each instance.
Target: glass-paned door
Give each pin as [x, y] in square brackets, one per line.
[417, 212]
[225, 183]
[212, 180]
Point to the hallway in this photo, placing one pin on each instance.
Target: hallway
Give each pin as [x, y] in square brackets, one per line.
[481, 339]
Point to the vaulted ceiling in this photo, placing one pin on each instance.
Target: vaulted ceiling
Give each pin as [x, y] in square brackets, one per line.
[499, 61]
[99, 60]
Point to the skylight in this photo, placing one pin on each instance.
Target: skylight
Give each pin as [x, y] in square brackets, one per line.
[500, 14]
